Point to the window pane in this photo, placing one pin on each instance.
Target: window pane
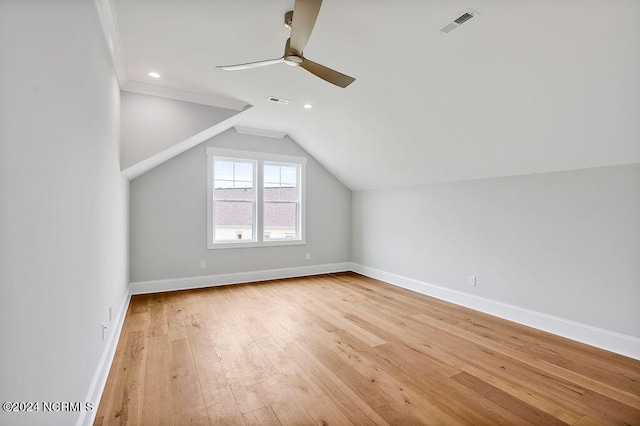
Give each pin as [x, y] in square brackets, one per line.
[271, 174]
[223, 169]
[233, 220]
[289, 175]
[244, 171]
[244, 184]
[219, 183]
[271, 194]
[289, 193]
[233, 194]
[234, 180]
[280, 220]
[284, 177]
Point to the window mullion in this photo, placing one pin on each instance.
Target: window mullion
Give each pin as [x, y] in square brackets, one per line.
[259, 185]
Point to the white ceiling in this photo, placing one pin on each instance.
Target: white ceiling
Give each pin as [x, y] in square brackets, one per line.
[526, 86]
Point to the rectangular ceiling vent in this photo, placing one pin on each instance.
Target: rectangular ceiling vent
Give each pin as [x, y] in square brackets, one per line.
[464, 17]
[279, 100]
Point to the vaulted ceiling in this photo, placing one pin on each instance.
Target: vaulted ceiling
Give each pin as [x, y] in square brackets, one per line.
[523, 87]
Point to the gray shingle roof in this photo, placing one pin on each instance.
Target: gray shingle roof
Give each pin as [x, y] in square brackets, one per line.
[279, 209]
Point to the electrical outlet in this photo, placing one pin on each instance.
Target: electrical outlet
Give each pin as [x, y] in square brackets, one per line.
[472, 280]
[308, 256]
[203, 264]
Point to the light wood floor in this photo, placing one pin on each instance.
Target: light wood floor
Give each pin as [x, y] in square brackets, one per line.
[344, 349]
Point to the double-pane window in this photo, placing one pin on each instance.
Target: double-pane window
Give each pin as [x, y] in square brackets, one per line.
[254, 199]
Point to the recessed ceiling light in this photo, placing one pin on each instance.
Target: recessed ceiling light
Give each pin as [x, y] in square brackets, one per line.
[154, 74]
[307, 106]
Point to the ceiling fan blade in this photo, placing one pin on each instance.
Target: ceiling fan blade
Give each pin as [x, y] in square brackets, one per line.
[327, 74]
[251, 65]
[305, 13]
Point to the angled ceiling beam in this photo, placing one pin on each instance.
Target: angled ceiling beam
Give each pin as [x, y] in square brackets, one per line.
[159, 158]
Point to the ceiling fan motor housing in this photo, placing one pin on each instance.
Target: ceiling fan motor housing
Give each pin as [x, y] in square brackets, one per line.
[293, 59]
[291, 56]
[288, 19]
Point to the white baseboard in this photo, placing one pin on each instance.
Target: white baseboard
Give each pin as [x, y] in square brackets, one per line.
[94, 395]
[604, 339]
[157, 286]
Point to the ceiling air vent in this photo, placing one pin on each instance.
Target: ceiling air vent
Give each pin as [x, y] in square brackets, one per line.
[464, 17]
[279, 100]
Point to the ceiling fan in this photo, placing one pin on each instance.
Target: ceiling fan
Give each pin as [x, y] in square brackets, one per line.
[305, 13]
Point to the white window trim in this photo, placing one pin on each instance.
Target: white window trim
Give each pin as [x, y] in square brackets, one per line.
[260, 158]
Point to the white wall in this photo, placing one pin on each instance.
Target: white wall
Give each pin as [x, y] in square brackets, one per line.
[565, 244]
[63, 204]
[169, 223]
[151, 124]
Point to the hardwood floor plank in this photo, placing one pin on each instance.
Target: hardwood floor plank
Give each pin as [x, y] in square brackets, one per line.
[342, 349]
[263, 416]
[218, 399]
[297, 379]
[125, 396]
[248, 394]
[560, 390]
[175, 316]
[541, 401]
[271, 322]
[622, 378]
[283, 401]
[587, 421]
[186, 394]
[158, 325]
[403, 414]
[338, 322]
[157, 406]
[255, 361]
[220, 403]
[308, 393]
[230, 356]
[337, 391]
[611, 407]
[519, 407]
[323, 411]
[441, 393]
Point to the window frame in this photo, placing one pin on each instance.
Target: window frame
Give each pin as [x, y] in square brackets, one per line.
[259, 158]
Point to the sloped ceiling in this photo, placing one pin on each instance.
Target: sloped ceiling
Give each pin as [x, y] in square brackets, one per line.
[524, 87]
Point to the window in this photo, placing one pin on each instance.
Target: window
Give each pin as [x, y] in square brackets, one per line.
[281, 198]
[234, 199]
[254, 199]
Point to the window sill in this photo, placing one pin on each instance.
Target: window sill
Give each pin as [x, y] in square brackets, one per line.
[254, 244]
